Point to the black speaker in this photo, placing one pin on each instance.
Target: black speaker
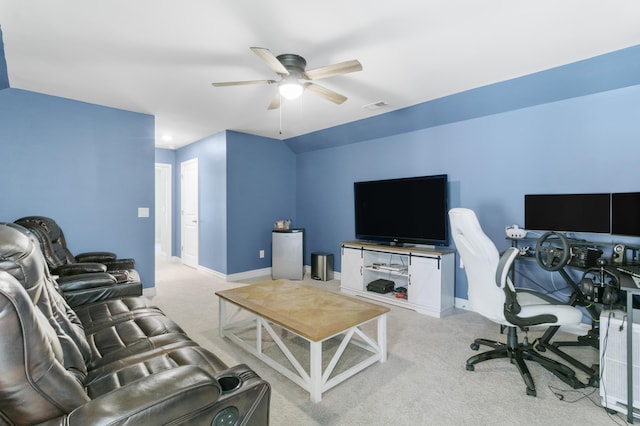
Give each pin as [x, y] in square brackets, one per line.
[605, 291]
[618, 256]
[610, 295]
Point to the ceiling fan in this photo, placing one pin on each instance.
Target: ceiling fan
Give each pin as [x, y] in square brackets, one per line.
[294, 79]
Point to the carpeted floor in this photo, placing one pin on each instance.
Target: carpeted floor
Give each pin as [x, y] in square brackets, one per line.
[424, 381]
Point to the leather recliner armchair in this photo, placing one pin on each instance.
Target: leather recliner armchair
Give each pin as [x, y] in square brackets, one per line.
[113, 361]
[57, 253]
[83, 288]
[77, 272]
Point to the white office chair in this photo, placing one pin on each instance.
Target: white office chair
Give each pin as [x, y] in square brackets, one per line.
[492, 294]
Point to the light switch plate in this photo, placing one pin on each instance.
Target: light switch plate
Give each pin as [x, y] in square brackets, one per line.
[143, 211]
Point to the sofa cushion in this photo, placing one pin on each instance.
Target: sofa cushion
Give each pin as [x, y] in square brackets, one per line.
[114, 375]
[95, 315]
[138, 335]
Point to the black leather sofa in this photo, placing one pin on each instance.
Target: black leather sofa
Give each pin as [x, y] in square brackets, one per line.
[117, 361]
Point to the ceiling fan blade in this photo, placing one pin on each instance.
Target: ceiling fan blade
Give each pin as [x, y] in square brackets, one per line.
[335, 69]
[270, 59]
[275, 102]
[328, 94]
[240, 83]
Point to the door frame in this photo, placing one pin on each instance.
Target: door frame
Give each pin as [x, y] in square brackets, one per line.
[183, 195]
[164, 213]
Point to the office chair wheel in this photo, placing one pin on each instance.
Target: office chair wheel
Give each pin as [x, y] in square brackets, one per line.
[470, 367]
[474, 346]
[548, 255]
[531, 392]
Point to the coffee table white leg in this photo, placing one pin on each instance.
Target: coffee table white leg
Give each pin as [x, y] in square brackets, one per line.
[258, 335]
[382, 337]
[315, 382]
[222, 316]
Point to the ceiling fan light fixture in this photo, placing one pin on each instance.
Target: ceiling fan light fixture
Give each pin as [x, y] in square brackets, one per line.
[290, 88]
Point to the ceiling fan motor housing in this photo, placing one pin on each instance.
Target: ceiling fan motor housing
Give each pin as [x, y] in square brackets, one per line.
[293, 62]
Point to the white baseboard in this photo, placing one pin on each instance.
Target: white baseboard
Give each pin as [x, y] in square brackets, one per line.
[231, 277]
[462, 304]
[212, 272]
[149, 292]
[249, 274]
[256, 273]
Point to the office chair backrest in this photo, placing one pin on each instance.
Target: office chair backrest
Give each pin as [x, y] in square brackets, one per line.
[480, 258]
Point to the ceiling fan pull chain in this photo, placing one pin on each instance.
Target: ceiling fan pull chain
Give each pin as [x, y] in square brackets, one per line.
[280, 113]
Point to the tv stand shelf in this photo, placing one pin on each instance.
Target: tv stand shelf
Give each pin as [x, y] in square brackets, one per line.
[427, 274]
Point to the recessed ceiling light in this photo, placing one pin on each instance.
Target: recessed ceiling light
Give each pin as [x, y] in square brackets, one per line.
[167, 138]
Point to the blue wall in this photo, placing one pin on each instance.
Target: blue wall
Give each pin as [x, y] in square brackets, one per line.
[261, 182]
[245, 183]
[583, 144]
[86, 166]
[166, 156]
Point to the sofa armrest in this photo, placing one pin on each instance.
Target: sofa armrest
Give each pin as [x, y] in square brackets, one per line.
[86, 281]
[82, 289]
[79, 268]
[120, 264]
[96, 256]
[182, 395]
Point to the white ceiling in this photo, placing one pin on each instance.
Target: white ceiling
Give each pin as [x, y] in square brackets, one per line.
[159, 56]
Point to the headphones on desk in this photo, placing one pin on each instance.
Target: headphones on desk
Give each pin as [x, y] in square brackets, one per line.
[610, 294]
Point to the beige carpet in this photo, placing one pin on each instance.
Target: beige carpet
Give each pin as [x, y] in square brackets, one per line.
[424, 381]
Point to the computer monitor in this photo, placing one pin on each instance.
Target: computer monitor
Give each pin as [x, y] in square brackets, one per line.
[625, 213]
[568, 212]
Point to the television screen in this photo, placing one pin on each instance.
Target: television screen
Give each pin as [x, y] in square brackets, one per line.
[568, 212]
[625, 213]
[408, 210]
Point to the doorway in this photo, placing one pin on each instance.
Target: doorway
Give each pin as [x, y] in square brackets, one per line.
[189, 212]
[163, 177]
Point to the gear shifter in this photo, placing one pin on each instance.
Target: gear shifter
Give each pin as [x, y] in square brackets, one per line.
[602, 263]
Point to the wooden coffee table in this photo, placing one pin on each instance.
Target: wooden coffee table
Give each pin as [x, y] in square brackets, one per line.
[315, 315]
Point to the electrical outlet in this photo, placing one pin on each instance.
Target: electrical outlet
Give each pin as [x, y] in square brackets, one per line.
[261, 254]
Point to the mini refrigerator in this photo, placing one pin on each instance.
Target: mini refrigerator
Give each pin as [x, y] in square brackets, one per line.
[287, 254]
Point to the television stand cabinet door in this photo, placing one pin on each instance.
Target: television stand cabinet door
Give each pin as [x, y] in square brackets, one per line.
[425, 274]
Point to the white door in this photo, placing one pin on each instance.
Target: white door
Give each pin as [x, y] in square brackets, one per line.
[163, 210]
[189, 212]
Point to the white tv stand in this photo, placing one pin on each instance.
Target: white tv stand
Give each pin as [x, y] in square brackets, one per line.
[426, 273]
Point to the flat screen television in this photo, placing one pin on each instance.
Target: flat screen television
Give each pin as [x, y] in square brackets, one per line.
[399, 211]
[568, 212]
[625, 213]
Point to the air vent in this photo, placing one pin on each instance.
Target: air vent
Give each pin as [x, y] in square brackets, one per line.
[376, 105]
